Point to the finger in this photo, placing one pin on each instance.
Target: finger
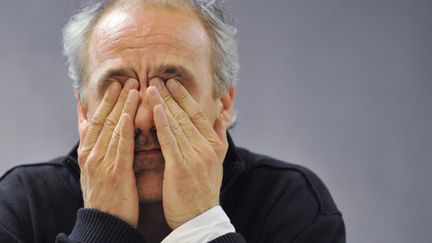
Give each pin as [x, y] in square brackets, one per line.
[113, 118]
[83, 127]
[111, 153]
[97, 120]
[194, 111]
[167, 140]
[132, 103]
[178, 113]
[121, 137]
[182, 140]
[125, 149]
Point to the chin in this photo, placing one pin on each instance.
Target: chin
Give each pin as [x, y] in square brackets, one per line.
[149, 183]
[149, 170]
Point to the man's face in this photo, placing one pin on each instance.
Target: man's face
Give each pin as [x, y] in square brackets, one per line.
[143, 43]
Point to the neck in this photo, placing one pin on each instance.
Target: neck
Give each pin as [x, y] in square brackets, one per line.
[152, 223]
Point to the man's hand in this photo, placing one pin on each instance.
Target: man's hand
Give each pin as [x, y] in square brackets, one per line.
[193, 150]
[106, 154]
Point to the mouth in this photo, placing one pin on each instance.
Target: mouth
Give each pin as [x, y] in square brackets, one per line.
[148, 159]
[148, 151]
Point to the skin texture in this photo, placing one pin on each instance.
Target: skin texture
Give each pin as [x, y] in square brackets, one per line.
[155, 183]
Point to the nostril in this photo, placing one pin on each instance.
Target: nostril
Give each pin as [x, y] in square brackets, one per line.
[153, 131]
[137, 132]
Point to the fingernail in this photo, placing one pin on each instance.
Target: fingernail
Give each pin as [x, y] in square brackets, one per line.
[153, 92]
[172, 84]
[130, 84]
[159, 109]
[115, 87]
[157, 83]
[131, 95]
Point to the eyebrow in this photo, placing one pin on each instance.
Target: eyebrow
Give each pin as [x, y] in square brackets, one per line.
[116, 73]
[163, 71]
[169, 71]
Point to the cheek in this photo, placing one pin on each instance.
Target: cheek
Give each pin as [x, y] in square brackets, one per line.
[211, 109]
[205, 99]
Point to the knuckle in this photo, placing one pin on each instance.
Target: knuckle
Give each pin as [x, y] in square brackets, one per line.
[110, 123]
[220, 148]
[217, 146]
[197, 114]
[96, 120]
[176, 130]
[181, 116]
[89, 166]
[81, 161]
[117, 133]
[122, 98]
[183, 96]
[165, 125]
[82, 156]
[123, 135]
[110, 98]
[167, 98]
[81, 151]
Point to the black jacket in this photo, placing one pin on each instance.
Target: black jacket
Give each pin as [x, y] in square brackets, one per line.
[267, 200]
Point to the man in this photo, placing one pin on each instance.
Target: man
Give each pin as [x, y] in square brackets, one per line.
[155, 86]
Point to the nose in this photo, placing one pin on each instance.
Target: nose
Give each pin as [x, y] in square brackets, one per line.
[144, 116]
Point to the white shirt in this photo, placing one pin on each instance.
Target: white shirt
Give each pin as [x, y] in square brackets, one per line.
[205, 227]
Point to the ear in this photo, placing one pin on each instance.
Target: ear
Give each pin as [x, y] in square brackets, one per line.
[226, 112]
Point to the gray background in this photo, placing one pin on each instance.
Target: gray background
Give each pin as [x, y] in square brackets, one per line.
[343, 87]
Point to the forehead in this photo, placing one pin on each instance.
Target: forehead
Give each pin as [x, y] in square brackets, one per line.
[140, 38]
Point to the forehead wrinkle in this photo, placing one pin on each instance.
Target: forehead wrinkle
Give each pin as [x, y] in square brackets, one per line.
[127, 28]
[145, 46]
[115, 38]
[138, 44]
[150, 41]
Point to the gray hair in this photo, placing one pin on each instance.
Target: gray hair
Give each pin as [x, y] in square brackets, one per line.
[224, 55]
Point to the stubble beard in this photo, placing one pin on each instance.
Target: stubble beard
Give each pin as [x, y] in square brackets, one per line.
[148, 167]
[149, 182]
